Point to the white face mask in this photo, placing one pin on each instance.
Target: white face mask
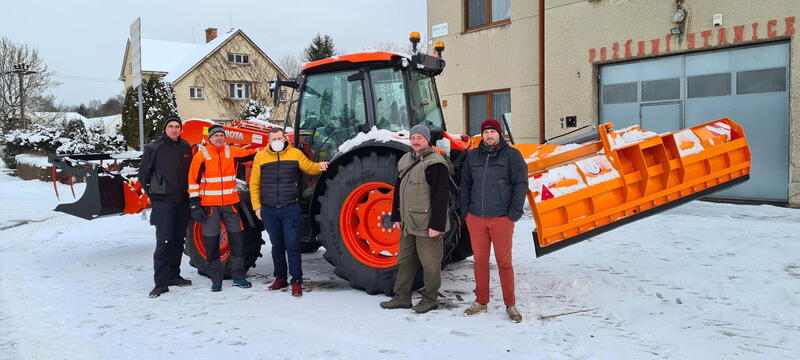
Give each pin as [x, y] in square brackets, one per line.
[277, 145]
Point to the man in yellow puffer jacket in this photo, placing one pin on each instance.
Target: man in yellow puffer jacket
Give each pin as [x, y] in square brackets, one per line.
[274, 193]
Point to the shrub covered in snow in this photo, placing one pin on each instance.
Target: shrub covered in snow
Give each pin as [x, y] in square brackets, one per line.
[159, 105]
[256, 110]
[60, 137]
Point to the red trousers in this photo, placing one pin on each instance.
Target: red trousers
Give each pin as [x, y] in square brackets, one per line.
[497, 232]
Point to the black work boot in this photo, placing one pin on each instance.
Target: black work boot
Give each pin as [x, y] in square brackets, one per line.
[179, 281]
[158, 290]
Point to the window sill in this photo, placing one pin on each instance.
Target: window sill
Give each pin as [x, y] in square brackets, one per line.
[489, 26]
[191, 98]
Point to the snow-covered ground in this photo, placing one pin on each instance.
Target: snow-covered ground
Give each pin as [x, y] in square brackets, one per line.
[703, 281]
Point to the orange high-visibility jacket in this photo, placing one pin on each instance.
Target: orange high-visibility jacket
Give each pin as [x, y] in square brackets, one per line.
[212, 174]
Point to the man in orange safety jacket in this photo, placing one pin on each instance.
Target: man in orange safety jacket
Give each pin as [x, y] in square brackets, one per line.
[213, 199]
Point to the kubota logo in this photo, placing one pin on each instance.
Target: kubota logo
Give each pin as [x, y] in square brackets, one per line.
[234, 135]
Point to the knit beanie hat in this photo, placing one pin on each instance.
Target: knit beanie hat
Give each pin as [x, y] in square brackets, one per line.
[422, 130]
[215, 129]
[491, 124]
[171, 119]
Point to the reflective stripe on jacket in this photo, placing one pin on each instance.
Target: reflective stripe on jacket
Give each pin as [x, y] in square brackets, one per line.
[212, 175]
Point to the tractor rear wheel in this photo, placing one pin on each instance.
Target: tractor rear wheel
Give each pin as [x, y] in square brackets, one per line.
[355, 223]
[251, 237]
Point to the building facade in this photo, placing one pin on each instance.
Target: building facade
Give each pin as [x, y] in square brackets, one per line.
[660, 64]
[214, 80]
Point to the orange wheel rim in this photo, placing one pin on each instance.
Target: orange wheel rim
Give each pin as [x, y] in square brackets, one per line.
[200, 246]
[366, 225]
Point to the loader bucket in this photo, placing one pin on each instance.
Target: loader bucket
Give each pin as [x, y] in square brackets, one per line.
[580, 191]
[107, 193]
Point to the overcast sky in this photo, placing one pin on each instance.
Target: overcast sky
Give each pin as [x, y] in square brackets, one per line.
[83, 41]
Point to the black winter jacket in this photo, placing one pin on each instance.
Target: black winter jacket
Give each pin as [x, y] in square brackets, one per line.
[494, 182]
[164, 170]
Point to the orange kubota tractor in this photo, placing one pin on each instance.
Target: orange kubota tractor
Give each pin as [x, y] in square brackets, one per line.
[355, 111]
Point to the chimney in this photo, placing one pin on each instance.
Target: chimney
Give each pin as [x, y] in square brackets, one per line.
[211, 34]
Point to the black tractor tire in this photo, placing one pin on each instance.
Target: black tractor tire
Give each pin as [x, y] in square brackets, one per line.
[363, 168]
[457, 245]
[309, 247]
[251, 236]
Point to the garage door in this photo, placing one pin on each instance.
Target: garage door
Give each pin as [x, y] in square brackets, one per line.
[749, 85]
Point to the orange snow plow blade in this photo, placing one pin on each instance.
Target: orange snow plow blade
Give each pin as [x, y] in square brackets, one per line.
[580, 191]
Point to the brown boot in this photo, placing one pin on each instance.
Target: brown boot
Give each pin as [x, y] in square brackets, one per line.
[513, 313]
[396, 303]
[425, 306]
[475, 309]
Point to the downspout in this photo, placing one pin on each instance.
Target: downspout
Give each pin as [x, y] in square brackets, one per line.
[541, 72]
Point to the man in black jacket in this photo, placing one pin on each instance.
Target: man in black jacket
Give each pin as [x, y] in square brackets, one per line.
[163, 173]
[494, 181]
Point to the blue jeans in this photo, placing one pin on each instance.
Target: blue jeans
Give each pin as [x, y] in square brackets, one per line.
[281, 224]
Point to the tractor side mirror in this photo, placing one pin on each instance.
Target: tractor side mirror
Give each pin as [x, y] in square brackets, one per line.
[275, 87]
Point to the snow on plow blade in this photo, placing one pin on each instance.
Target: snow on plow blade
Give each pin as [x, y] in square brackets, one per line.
[108, 192]
[580, 191]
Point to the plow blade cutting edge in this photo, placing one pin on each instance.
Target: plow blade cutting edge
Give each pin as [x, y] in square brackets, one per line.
[580, 191]
[107, 192]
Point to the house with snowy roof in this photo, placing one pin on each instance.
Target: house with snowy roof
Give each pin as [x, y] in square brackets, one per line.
[214, 80]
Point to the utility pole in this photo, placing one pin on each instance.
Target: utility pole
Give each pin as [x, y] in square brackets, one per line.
[21, 69]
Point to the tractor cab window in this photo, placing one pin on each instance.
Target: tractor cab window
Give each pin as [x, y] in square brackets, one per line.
[388, 89]
[424, 102]
[332, 111]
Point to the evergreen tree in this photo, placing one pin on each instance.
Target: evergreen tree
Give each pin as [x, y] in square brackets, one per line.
[159, 104]
[321, 47]
[256, 110]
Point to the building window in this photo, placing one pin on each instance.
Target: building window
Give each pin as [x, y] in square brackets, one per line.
[483, 13]
[620, 93]
[709, 85]
[239, 59]
[196, 92]
[486, 105]
[761, 81]
[239, 91]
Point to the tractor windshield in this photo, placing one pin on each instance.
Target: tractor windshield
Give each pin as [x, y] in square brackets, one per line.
[425, 102]
[332, 111]
[392, 108]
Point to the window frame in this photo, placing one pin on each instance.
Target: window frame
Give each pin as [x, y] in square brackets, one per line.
[489, 102]
[489, 23]
[195, 97]
[244, 59]
[248, 90]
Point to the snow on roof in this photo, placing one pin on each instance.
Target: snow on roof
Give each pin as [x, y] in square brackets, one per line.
[68, 115]
[164, 56]
[197, 53]
[105, 119]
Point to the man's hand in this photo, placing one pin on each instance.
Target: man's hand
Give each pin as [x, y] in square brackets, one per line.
[323, 166]
[258, 214]
[397, 224]
[197, 212]
[433, 233]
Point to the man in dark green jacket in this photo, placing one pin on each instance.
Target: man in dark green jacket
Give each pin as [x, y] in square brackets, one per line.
[420, 210]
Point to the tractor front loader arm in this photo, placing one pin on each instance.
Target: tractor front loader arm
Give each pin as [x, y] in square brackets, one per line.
[110, 190]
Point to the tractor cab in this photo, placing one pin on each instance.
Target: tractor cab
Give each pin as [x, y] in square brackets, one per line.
[343, 96]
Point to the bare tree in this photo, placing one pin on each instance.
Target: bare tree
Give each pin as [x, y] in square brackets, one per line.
[34, 86]
[216, 75]
[291, 64]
